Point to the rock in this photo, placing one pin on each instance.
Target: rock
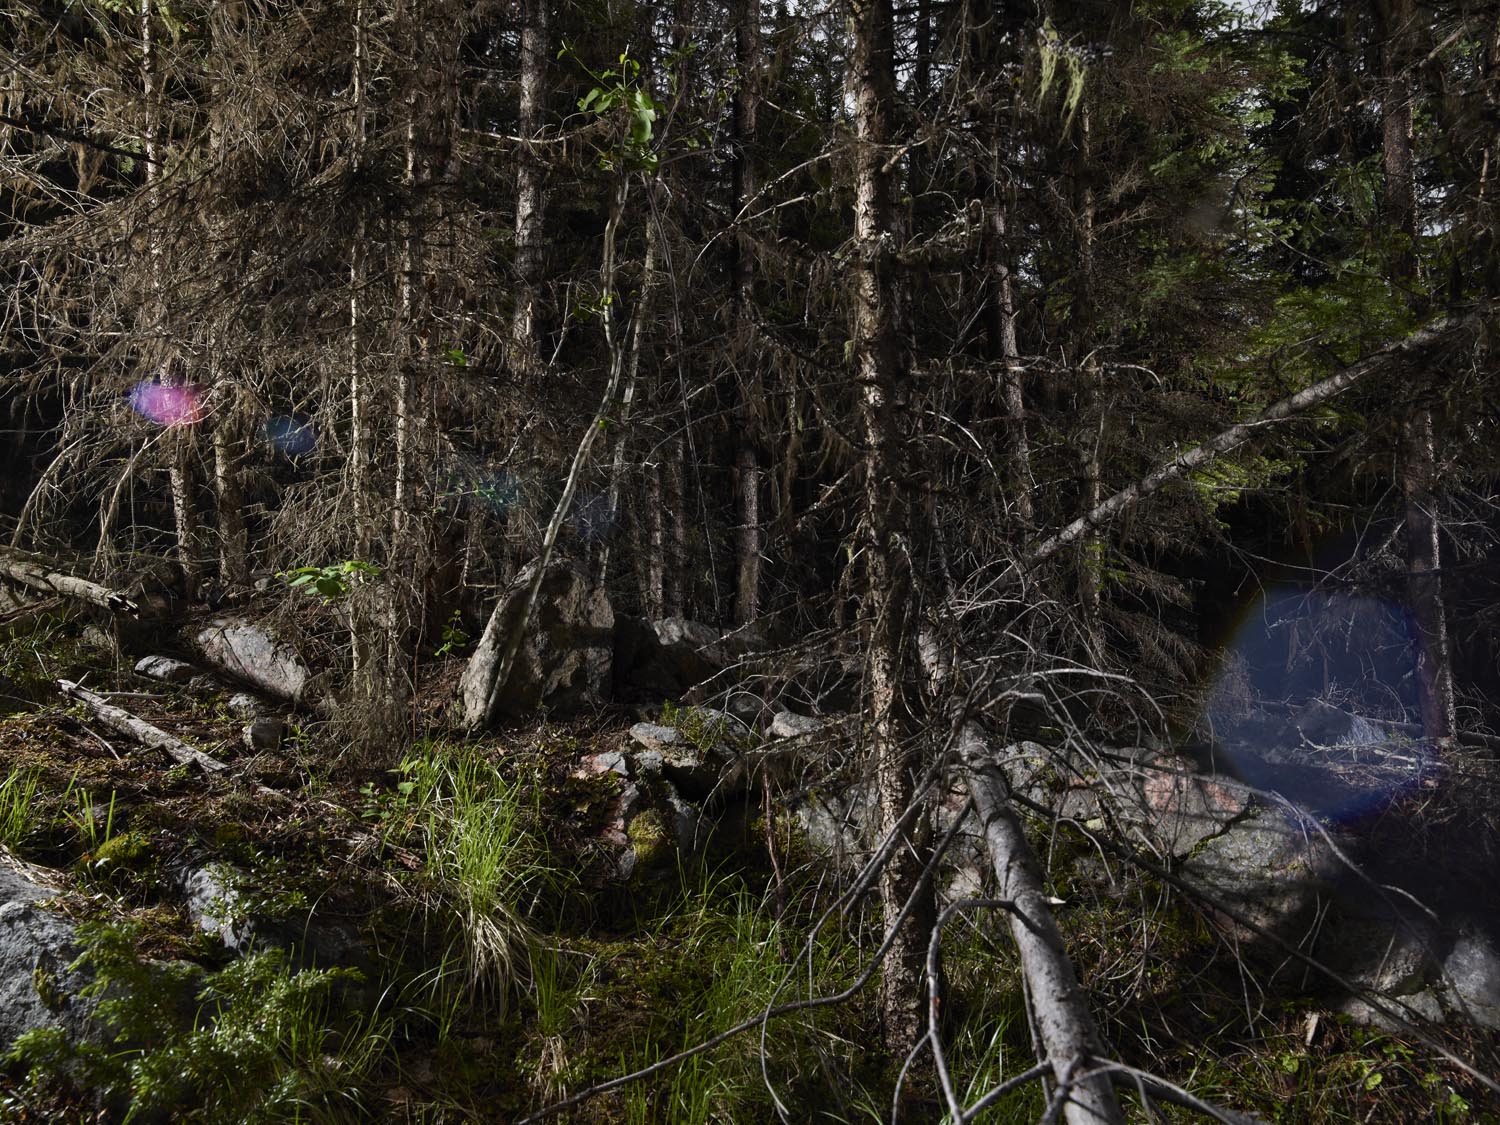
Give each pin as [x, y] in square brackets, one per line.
[1268, 867]
[243, 705]
[264, 733]
[248, 652]
[37, 947]
[610, 761]
[165, 669]
[566, 654]
[784, 724]
[652, 736]
[1471, 977]
[1182, 809]
[212, 900]
[663, 659]
[837, 823]
[684, 819]
[95, 637]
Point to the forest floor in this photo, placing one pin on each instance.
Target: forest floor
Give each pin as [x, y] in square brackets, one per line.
[490, 962]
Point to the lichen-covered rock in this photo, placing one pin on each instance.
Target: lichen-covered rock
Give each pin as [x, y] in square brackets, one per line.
[1471, 979]
[38, 986]
[566, 651]
[249, 652]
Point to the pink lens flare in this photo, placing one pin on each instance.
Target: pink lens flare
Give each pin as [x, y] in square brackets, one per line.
[167, 404]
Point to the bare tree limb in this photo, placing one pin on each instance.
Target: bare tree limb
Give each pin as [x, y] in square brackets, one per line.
[1438, 331]
[37, 575]
[143, 732]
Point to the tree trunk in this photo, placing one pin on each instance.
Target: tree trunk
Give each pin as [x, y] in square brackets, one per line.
[1419, 470]
[747, 465]
[530, 184]
[1061, 1018]
[887, 598]
[675, 583]
[234, 539]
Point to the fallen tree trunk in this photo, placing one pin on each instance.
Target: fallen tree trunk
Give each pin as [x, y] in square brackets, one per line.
[36, 574]
[1064, 1023]
[118, 719]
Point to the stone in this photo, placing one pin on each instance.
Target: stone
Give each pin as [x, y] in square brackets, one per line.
[784, 724]
[264, 733]
[38, 986]
[653, 736]
[609, 761]
[1272, 869]
[1184, 809]
[662, 659]
[165, 669]
[243, 705]
[212, 900]
[1471, 978]
[566, 653]
[250, 653]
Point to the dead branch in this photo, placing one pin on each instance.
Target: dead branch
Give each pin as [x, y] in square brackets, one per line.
[1064, 1023]
[37, 575]
[118, 719]
[1437, 332]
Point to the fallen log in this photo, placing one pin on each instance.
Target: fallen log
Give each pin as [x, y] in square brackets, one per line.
[143, 732]
[35, 574]
[1064, 1024]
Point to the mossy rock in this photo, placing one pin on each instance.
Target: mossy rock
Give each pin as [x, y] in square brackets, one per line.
[125, 850]
[650, 839]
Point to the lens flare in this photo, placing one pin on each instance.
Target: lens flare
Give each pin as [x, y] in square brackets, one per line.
[167, 404]
[290, 435]
[1312, 698]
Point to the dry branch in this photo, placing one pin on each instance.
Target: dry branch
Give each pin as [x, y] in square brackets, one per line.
[1200, 455]
[1064, 1023]
[37, 575]
[143, 732]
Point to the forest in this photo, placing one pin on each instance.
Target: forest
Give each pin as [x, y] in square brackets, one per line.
[736, 561]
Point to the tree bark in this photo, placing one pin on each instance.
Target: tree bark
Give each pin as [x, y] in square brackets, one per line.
[887, 603]
[530, 186]
[38, 575]
[1419, 467]
[1063, 1023]
[747, 454]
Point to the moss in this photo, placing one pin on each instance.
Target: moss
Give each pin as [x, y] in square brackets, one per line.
[126, 848]
[650, 839]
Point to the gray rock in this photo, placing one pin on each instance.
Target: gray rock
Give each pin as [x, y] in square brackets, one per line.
[566, 653]
[250, 653]
[243, 705]
[648, 763]
[653, 736]
[38, 988]
[264, 733]
[1272, 869]
[213, 901]
[1472, 978]
[1183, 810]
[609, 761]
[1414, 1007]
[165, 669]
[663, 659]
[787, 725]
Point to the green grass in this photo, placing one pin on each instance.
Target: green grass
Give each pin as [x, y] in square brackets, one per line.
[18, 808]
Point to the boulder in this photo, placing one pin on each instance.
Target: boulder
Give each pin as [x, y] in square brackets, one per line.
[1471, 979]
[663, 659]
[250, 653]
[38, 986]
[1271, 867]
[243, 705]
[566, 652]
[1182, 810]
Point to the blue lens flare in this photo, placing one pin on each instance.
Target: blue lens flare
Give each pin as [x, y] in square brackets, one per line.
[1315, 698]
